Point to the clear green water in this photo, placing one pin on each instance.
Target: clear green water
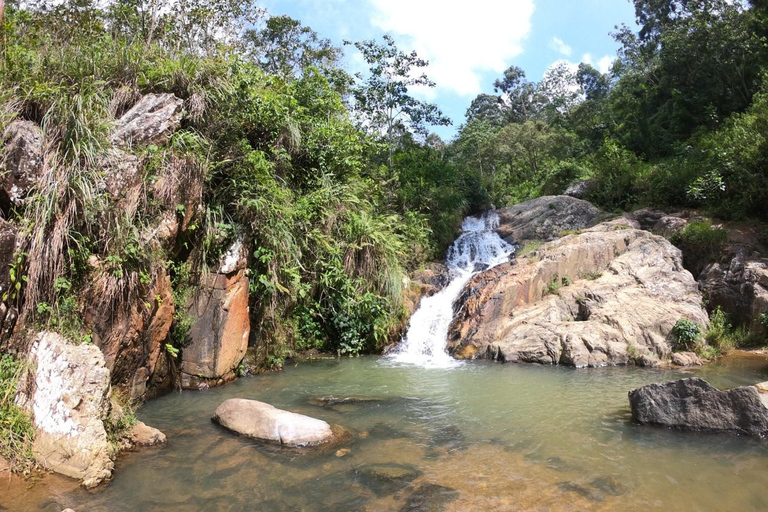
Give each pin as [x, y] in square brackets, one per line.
[478, 437]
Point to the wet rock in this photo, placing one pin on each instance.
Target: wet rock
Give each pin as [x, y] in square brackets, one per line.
[545, 218]
[686, 359]
[68, 395]
[609, 485]
[694, 404]
[144, 435]
[151, 120]
[447, 439]
[430, 498]
[606, 295]
[591, 495]
[218, 339]
[325, 401]
[267, 423]
[23, 161]
[385, 479]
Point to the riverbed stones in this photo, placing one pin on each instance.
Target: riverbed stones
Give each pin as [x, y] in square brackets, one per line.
[68, 393]
[265, 422]
[144, 435]
[605, 295]
[694, 404]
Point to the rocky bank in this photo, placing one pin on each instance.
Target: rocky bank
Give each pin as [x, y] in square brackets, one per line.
[594, 292]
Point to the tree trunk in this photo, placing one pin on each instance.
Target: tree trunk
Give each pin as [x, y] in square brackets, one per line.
[2, 10]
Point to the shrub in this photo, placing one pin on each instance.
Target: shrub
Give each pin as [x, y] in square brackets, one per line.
[686, 333]
[16, 432]
[700, 243]
[720, 334]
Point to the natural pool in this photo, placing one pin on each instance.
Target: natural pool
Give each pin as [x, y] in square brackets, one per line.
[479, 436]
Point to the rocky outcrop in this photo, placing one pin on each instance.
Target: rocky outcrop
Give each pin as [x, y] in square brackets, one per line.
[67, 392]
[151, 120]
[267, 423]
[8, 234]
[580, 189]
[740, 288]
[607, 295]
[21, 162]
[694, 404]
[658, 222]
[546, 218]
[686, 359]
[133, 333]
[218, 338]
[144, 435]
[121, 179]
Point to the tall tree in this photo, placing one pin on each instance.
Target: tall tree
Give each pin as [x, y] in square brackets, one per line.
[382, 99]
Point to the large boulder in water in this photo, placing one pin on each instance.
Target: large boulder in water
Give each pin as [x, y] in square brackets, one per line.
[606, 295]
[694, 404]
[262, 421]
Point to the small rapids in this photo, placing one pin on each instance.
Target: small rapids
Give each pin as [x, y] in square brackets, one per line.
[478, 248]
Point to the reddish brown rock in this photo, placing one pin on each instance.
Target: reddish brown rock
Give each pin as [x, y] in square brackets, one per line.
[133, 336]
[144, 435]
[218, 339]
[686, 359]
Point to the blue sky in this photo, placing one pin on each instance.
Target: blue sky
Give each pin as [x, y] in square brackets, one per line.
[469, 44]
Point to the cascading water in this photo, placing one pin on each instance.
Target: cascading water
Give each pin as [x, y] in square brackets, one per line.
[478, 248]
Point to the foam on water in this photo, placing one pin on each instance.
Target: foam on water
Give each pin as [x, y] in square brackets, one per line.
[478, 248]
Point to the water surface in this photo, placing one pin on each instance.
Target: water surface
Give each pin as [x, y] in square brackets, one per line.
[479, 436]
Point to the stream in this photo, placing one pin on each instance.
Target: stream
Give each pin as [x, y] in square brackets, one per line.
[429, 434]
[480, 436]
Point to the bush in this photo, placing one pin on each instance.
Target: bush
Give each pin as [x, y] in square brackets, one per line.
[720, 334]
[16, 432]
[687, 334]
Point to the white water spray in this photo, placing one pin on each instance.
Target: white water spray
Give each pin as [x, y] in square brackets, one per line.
[478, 248]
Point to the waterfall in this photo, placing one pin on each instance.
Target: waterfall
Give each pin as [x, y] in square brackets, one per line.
[478, 248]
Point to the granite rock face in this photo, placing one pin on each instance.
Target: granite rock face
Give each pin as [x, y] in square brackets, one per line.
[605, 295]
[267, 423]
[694, 404]
[151, 120]
[68, 394]
[546, 217]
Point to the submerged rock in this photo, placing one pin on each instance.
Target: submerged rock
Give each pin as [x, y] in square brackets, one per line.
[606, 295]
[267, 423]
[68, 394]
[384, 479]
[430, 498]
[694, 404]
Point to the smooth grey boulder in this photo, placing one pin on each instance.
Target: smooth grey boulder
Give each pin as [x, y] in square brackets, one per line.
[694, 404]
[262, 421]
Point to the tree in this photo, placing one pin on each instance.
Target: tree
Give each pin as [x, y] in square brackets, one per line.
[594, 84]
[382, 100]
[285, 47]
[521, 97]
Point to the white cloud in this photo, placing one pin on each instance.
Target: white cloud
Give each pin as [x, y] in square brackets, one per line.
[560, 46]
[459, 43]
[603, 64]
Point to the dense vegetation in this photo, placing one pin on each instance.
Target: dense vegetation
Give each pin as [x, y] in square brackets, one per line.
[679, 121]
[334, 181]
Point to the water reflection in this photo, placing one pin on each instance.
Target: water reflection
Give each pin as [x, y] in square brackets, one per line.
[479, 437]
